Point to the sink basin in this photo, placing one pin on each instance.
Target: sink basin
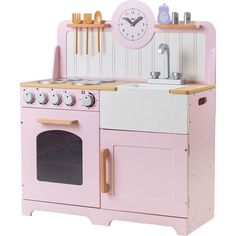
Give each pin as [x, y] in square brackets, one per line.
[144, 107]
[149, 86]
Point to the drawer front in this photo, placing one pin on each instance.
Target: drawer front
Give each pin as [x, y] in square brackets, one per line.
[150, 111]
[146, 172]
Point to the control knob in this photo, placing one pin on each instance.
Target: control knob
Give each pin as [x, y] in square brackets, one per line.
[69, 99]
[55, 99]
[28, 97]
[88, 100]
[42, 98]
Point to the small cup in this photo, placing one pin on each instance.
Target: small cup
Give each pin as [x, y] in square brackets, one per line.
[187, 18]
[175, 18]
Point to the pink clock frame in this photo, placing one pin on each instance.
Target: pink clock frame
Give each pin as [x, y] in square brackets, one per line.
[150, 19]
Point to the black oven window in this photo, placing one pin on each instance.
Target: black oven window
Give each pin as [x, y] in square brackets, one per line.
[60, 157]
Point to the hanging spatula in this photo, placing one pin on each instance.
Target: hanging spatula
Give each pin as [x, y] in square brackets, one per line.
[87, 20]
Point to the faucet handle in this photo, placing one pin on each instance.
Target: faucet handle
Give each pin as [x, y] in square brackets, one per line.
[176, 75]
[155, 74]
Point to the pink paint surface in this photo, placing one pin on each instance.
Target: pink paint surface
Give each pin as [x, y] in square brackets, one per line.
[201, 173]
[87, 194]
[147, 172]
[105, 217]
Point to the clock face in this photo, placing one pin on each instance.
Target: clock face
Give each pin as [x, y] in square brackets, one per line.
[133, 24]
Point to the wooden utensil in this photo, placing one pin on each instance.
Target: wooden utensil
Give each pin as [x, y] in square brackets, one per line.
[87, 20]
[76, 19]
[98, 20]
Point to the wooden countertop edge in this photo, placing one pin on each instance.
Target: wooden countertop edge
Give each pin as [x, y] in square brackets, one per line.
[69, 86]
[101, 87]
[187, 90]
[192, 88]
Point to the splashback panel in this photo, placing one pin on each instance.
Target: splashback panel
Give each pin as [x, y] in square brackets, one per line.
[187, 55]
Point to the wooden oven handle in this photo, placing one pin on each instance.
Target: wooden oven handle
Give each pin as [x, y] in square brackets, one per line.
[104, 156]
[57, 122]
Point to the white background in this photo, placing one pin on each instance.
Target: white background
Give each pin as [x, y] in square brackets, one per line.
[27, 40]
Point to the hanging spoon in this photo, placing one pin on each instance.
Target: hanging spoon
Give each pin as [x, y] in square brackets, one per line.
[98, 20]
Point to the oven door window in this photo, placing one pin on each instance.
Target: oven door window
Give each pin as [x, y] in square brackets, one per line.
[60, 157]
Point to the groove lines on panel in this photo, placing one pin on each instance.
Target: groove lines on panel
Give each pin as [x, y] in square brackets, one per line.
[187, 56]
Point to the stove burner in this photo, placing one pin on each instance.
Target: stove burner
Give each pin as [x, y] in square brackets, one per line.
[50, 81]
[86, 82]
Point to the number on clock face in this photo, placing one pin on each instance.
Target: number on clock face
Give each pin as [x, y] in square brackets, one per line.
[133, 24]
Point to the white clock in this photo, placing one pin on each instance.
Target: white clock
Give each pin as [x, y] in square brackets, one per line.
[133, 24]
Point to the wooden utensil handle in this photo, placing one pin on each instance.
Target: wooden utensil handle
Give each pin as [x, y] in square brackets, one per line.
[76, 40]
[87, 40]
[99, 40]
[57, 122]
[104, 156]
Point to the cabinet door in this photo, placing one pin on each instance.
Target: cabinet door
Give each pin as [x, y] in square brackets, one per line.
[145, 172]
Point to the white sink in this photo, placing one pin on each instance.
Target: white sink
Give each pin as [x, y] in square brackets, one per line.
[149, 86]
[144, 107]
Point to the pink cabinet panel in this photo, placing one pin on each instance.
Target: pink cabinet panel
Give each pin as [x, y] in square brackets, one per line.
[146, 172]
[60, 162]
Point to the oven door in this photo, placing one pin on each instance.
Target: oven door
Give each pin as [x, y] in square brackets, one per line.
[60, 152]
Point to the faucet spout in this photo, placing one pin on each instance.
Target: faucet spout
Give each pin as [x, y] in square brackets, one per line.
[164, 48]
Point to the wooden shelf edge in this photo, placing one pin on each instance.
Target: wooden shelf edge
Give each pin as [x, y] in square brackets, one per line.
[192, 88]
[178, 26]
[89, 25]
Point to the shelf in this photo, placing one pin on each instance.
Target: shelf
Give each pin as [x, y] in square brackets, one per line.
[92, 25]
[178, 26]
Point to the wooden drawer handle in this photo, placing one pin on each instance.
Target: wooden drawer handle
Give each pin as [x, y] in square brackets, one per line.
[58, 122]
[104, 156]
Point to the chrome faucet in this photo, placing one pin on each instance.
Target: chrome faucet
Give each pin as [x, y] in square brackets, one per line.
[161, 50]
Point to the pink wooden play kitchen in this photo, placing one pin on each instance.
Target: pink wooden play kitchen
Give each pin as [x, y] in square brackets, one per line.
[125, 128]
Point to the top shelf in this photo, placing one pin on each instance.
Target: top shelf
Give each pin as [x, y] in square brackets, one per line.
[178, 26]
[92, 25]
[157, 26]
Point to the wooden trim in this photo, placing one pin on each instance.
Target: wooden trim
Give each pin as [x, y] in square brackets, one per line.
[76, 41]
[87, 41]
[111, 86]
[192, 88]
[178, 26]
[99, 40]
[188, 89]
[104, 156]
[57, 122]
[102, 25]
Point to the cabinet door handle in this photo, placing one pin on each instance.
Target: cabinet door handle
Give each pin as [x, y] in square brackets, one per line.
[104, 156]
[57, 122]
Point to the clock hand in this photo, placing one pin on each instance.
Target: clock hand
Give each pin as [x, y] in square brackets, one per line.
[137, 21]
[128, 20]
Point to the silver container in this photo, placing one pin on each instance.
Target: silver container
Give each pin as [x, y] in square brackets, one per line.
[155, 74]
[175, 18]
[176, 75]
[187, 18]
